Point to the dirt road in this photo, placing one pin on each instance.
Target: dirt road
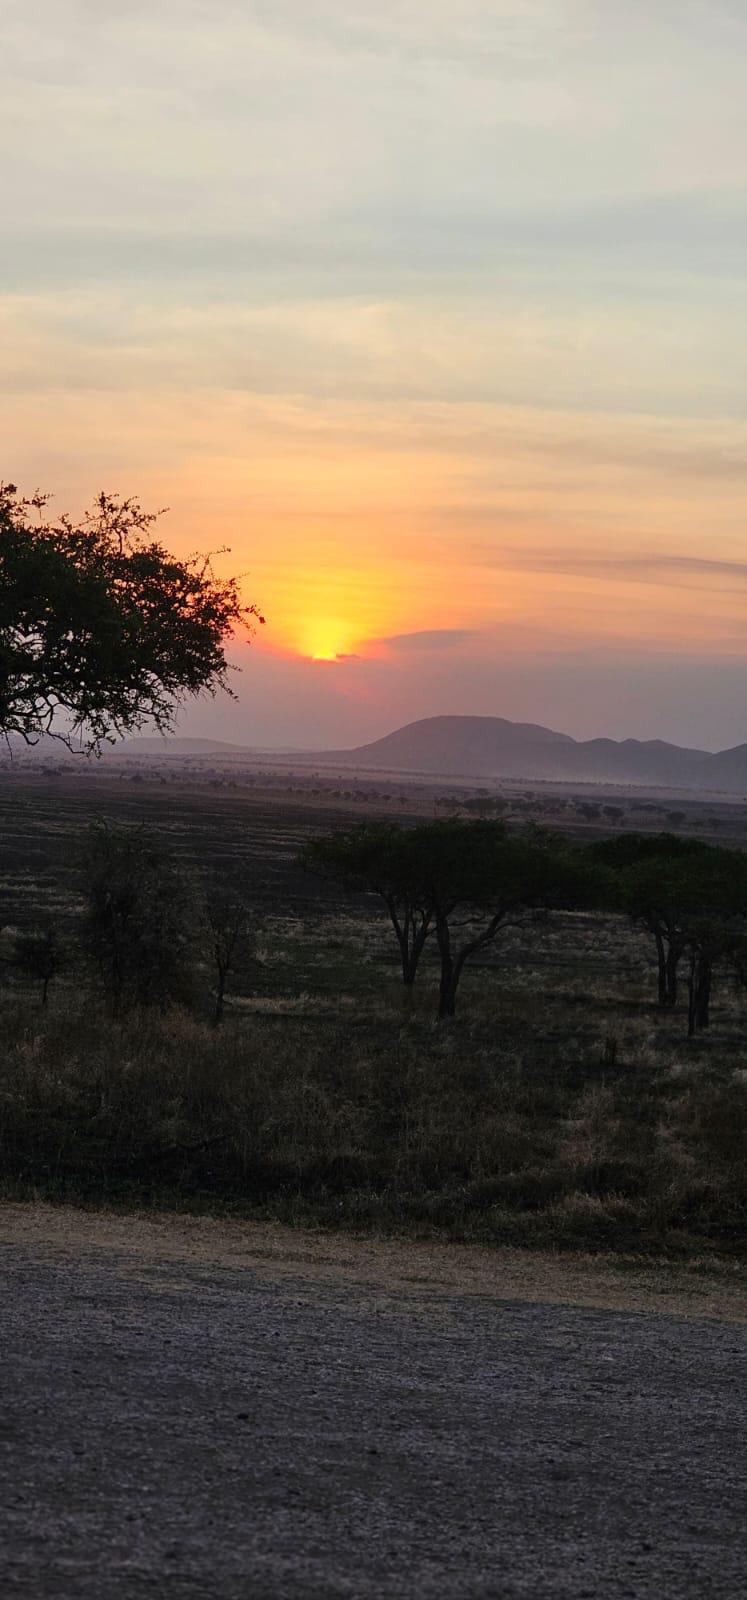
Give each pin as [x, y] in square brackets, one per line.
[199, 1409]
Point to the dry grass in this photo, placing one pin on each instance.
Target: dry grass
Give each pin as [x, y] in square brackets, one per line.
[320, 1101]
[158, 1243]
[502, 1126]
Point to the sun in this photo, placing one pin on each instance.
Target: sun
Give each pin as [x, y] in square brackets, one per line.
[327, 640]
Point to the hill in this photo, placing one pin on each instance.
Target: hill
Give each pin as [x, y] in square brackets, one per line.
[492, 747]
[154, 744]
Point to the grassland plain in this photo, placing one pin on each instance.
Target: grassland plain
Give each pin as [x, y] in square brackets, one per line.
[321, 1100]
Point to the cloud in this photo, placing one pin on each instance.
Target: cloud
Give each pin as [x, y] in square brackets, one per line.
[661, 568]
[378, 295]
[334, 661]
[421, 347]
[427, 639]
[371, 245]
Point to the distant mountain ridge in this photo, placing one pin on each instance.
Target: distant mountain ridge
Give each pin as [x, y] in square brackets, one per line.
[165, 744]
[493, 747]
[474, 748]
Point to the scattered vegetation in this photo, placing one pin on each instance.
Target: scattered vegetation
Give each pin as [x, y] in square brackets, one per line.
[142, 918]
[229, 921]
[358, 1119]
[555, 1110]
[563, 1106]
[38, 955]
[479, 878]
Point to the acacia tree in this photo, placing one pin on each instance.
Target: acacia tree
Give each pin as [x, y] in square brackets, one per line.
[37, 953]
[461, 881]
[714, 917]
[142, 926]
[101, 629]
[228, 919]
[693, 898]
[478, 879]
[381, 858]
[652, 870]
[653, 891]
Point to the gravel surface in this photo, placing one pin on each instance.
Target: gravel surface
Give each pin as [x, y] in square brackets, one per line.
[175, 1425]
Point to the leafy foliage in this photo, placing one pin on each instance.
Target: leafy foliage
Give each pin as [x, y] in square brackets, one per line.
[692, 898]
[38, 954]
[229, 935]
[621, 850]
[452, 876]
[101, 629]
[383, 859]
[143, 917]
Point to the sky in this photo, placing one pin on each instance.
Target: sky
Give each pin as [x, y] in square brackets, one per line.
[429, 315]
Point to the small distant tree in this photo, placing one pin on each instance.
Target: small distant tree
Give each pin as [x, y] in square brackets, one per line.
[652, 878]
[654, 896]
[484, 806]
[101, 629]
[38, 954]
[692, 897]
[143, 922]
[229, 922]
[714, 920]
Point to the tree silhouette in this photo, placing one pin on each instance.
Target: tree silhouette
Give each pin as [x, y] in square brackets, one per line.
[382, 858]
[37, 953]
[228, 921]
[102, 630]
[460, 881]
[479, 879]
[692, 897]
[654, 869]
[142, 923]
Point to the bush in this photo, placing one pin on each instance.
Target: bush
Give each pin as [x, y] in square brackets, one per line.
[390, 1128]
[143, 918]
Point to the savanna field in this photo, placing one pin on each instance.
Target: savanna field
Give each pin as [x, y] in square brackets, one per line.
[560, 1108]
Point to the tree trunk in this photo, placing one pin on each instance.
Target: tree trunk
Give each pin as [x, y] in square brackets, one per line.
[402, 930]
[691, 1002]
[447, 994]
[449, 976]
[661, 957]
[409, 967]
[411, 937]
[219, 997]
[703, 979]
[699, 983]
[45, 987]
[407, 956]
[672, 963]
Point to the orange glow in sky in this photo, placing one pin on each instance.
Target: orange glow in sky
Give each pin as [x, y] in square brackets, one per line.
[424, 314]
[328, 639]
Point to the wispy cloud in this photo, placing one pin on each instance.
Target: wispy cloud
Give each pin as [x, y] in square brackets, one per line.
[427, 639]
[415, 308]
[656, 568]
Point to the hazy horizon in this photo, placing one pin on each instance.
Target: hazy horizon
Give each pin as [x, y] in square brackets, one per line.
[279, 747]
[431, 312]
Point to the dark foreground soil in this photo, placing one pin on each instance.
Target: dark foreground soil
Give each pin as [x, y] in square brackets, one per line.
[196, 1409]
